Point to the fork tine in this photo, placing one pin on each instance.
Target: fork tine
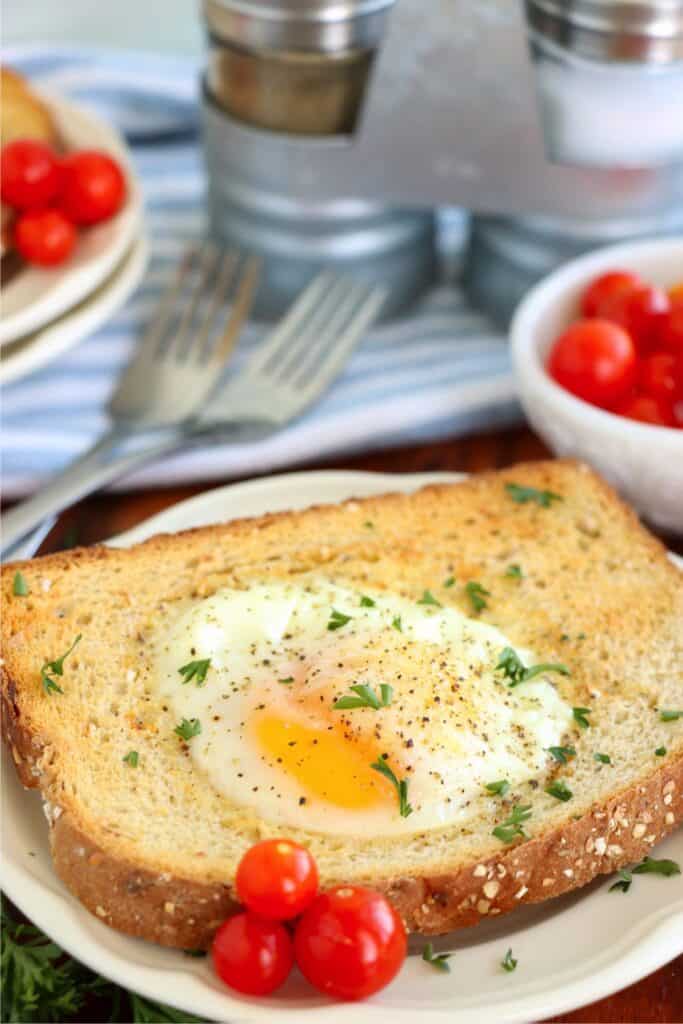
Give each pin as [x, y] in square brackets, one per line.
[334, 351]
[298, 345]
[279, 338]
[180, 342]
[201, 344]
[153, 336]
[346, 300]
[240, 309]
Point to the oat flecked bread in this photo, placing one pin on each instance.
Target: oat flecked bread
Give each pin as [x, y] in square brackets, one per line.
[153, 852]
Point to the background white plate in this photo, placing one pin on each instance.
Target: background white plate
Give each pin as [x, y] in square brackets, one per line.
[571, 951]
[35, 296]
[59, 335]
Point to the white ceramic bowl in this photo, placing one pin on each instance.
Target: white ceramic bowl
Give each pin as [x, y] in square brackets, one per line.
[644, 462]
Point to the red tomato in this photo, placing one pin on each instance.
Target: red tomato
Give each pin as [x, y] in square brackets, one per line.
[45, 237]
[647, 409]
[595, 360]
[277, 879]
[676, 294]
[660, 377]
[350, 942]
[30, 174]
[671, 334]
[94, 187]
[604, 288]
[252, 955]
[642, 312]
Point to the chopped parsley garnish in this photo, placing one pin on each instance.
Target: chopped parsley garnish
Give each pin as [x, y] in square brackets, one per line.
[477, 595]
[562, 754]
[195, 670]
[397, 624]
[508, 963]
[499, 788]
[670, 716]
[20, 586]
[647, 866]
[188, 728]
[523, 495]
[660, 752]
[366, 602]
[580, 716]
[511, 828]
[449, 582]
[337, 620]
[401, 786]
[560, 790]
[602, 758]
[55, 668]
[132, 758]
[286, 681]
[439, 961]
[513, 668]
[624, 883]
[428, 598]
[366, 698]
[514, 572]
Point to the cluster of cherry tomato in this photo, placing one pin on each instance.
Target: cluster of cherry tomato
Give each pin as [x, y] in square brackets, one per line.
[626, 355]
[348, 941]
[53, 196]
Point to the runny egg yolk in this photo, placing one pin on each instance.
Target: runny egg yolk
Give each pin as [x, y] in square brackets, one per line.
[324, 762]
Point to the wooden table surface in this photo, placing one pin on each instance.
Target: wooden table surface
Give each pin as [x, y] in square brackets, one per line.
[657, 998]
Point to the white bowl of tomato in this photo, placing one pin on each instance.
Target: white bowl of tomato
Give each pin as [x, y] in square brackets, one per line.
[597, 350]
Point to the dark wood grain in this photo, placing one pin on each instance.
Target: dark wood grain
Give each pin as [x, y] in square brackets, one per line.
[657, 998]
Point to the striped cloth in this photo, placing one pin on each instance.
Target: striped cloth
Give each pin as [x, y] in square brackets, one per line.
[441, 372]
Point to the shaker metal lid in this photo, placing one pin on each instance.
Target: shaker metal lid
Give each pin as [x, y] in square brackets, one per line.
[645, 31]
[319, 25]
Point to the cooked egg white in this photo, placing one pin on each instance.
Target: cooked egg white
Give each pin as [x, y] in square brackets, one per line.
[272, 741]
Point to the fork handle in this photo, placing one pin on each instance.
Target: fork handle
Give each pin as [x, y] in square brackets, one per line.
[110, 457]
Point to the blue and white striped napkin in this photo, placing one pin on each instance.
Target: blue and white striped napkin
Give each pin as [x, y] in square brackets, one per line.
[441, 372]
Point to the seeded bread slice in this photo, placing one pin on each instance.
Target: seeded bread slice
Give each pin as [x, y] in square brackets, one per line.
[153, 850]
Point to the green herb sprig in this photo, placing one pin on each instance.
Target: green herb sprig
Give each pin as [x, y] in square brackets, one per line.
[366, 698]
[195, 670]
[523, 495]
[511, 828]
[560, 790]
[508, 963]
[439, 961]
[561, 754]
[20, 587]
[337, 620]
[188, 728]
[400, 785]
[514, 670]
[477, 595]
[50, 669]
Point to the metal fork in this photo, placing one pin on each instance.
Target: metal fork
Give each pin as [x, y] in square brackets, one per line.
[172, 370]
[287, 373]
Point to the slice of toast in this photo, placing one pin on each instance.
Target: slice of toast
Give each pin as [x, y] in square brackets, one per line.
[153, 851]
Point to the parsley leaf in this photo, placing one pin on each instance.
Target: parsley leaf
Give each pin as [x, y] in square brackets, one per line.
[188, 728]
[195, 670]
[513, 668]
[508, 963]
[401, 787]
[366, 602]
[670, 716]
[511, 828]
[660, 752]
[437, 960]
[523, 495]
[560, 790]
[498, 788]
[624, 883]
[132, 758]
[449, 582]
[664, 867]
[55, 668]
[366, 698]
[602, 758]
[514, 572]
[561, 754]
[287, 681]
[580, 717]
[428, 598]
[337, 620]
[477, 595]
[397, 624]
[20, 586]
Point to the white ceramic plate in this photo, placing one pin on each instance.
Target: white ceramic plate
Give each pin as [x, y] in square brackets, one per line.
[571, 951]
[42, 346]
[35, 296]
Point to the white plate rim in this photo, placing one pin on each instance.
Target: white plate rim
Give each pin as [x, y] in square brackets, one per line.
[66, 331]
[657, 939]
[79, 280]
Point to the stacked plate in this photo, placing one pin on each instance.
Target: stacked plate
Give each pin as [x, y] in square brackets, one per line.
[45, 312]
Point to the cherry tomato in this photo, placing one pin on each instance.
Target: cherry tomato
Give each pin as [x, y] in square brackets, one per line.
[595, 360]
[45, 237]
[277, 879]
[671, 333]
[676, 294]
[94, 187]
[604, 288]
[660, 377]
[252, 955]
[350, 942]
[642, 312]
[30, 173]
[647, 409]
